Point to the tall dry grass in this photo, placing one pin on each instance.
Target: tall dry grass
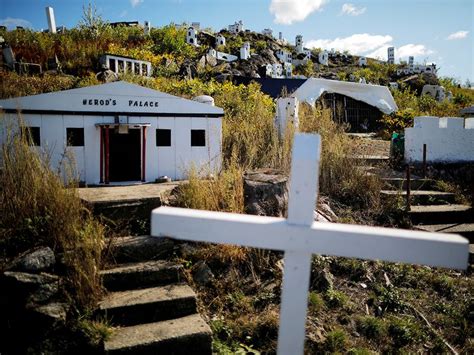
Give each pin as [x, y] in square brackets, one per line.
[36, 209]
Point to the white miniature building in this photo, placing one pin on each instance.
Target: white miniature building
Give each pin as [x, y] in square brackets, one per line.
[236, 27]
[391, 55]
[323, 58]
[280, 36]
[277, 70]
[299, 44]
[411, 60]
[267, 32]
[286, 114]
[51, 19]
[269, 70]
[147, 28]
[191, 37]
[393, 85]
[245, 51]
[437, 92]
[288, 68]
[120, 64]
[362, 61]
[121, 131]
[220, 40]
[284, 56]
[447, 139]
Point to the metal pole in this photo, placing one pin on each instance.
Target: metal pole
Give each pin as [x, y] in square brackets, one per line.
[143, 153]
[424, 160]
[101, 166]
[408, 174]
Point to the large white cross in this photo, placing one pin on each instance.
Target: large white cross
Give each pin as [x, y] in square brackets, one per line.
[300, 237]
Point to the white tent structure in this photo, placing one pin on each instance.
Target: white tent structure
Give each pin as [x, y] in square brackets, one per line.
[373, 95]
[121, 132]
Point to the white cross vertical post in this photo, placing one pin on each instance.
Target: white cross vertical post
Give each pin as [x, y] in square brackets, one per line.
[299, 237]
[297, 272]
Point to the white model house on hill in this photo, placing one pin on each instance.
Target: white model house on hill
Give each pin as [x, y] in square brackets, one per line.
[121, 132]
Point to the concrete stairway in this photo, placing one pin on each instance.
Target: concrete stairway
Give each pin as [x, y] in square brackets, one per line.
[153, 310]
[433, 210]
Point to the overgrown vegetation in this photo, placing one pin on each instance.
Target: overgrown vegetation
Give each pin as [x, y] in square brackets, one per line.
[36, 209]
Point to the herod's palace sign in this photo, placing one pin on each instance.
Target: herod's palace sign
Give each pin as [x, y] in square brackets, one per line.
[113, 102]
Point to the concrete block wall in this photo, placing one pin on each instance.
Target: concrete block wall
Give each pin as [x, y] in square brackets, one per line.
[447, 139]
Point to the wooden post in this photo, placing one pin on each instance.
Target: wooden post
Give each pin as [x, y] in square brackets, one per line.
[101, 167]
[408, 172]
[107, 154]
[424, 160]
[143, 153]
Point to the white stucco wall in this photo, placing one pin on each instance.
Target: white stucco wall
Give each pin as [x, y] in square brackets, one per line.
[174, 161]
[447, 139]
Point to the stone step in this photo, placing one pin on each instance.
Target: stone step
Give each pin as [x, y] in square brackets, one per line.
[181, 336]
[416, 184]
[423, 197]
[141, 275]
[140, 248]
[464, 229]
[148, 305]
[436, 214]
[371, 160]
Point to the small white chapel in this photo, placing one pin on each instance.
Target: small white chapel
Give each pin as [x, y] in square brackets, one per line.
[120, 132]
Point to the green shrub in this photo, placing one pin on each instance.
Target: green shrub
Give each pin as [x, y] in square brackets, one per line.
[404, 332]
[336, 340]
[371, 327]
[336, 299]
[315, 302]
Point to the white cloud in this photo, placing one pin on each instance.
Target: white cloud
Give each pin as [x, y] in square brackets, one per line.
[359, 43]
[288, 11]
[457, 35]
[135, 3]
[416, 50]
[352, 10]
[13, 22]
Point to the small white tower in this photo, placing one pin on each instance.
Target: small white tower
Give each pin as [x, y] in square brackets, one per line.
[220, 40]
[323, 58]
[391, 55]
[362, 61]
[411, 60]
[280, 36]
[288, 67]
[147, 28]
[51, 19]
[191, 36]
[245, 51]
[299, 44]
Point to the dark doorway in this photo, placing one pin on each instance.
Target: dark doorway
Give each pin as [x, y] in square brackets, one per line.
[124, 161]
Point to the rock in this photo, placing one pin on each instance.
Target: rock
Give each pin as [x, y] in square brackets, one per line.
[202, 274]
[30, 288]
[321, 279]
[188, 69]
[35, 261]
[49, 315]
[266, 193]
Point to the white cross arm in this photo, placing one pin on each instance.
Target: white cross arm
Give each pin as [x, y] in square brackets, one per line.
[353, 241]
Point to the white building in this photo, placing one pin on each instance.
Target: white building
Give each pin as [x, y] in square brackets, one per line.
[245, 51]
[191, 36]
[267, 32]
[411, 60]
[146, 28]
[391, 55]
[236, 27]
[226, 57]
[122, 132]
[288, 69]
[284, 56]
[362, 61]
[437, 92]
[220, 40]
[299, 44]
[277, 70]
[120, 64]
[323, 58]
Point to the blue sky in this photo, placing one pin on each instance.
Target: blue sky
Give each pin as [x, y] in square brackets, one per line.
[439, 31]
